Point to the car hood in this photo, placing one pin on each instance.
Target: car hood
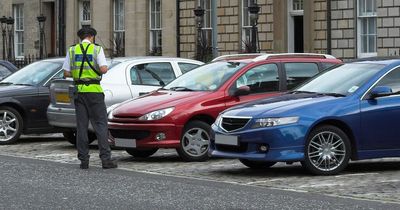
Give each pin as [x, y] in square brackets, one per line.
[12, 90]
[280, 105]
[155, 101]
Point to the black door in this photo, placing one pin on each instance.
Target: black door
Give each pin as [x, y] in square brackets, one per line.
[298, 34]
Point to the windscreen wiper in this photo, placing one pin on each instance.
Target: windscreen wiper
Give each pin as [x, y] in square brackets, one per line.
[24, 84]
[301, 91]
[180, 89]
[332, 94]
[6, 83]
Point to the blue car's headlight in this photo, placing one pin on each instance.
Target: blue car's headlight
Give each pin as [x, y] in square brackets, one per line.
[156, 115]
[274, 121]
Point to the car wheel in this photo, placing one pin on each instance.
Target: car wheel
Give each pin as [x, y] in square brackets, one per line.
[195, 141]
[71, 137]
[254, 164]
[11, 125]
[327, 151]
[141, 153]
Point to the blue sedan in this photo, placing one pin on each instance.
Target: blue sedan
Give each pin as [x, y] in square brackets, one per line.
[348, 112]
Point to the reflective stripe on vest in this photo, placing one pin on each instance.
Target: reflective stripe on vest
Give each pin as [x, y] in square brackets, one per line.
[76, 56]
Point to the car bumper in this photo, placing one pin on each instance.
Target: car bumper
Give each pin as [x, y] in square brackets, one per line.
[63, 117]
[284, 143]
[145, 135]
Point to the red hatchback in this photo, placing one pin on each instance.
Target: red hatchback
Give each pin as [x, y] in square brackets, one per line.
[180, 114]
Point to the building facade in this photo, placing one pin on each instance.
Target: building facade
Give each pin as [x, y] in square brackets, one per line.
[344, 28]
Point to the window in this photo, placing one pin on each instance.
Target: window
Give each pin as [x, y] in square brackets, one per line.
[119, 28]
[85, 16]
[157, 74]
[391, 80]
[260, 79]
[296, 73]
[18, 10]
[155, 27]
[367, 28]
[246, 26]
[186, 67]
[207, 27]
[4, 72]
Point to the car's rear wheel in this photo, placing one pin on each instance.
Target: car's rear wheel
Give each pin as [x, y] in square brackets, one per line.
[11, 125]
[71, 137]
[254, 164]
[327, 151]
[195, 141]
[141, 153]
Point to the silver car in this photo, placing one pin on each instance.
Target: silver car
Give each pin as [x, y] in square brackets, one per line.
[126, 79]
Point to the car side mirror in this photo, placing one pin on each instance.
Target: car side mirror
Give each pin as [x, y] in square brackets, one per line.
[380, 91]
[242, 91]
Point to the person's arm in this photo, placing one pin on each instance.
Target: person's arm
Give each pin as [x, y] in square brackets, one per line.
[101, 60]
[66, 66]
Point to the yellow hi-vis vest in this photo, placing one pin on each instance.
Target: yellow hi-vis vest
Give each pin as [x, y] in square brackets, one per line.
[88, 74]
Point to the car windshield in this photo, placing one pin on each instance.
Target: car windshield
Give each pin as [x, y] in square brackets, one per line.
[343, 80]
[34, 73]
[208, 77]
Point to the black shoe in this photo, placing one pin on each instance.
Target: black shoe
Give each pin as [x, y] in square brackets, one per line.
[109, 164]
[84, 165]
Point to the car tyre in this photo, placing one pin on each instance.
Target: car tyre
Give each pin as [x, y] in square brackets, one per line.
[195, 141]
[141, 153]
[255, 164]
[70, 136]
[327, 151]
[11, 125]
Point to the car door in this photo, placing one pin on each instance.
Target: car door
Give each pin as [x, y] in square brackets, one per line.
[380, 117]
[263, 81]
[148, 76]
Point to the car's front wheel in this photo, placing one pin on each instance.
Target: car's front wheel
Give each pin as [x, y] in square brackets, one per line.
[195, 141]
[141, 153]
[327, 151]
[11, 125]
[254, 164]
[71, 137]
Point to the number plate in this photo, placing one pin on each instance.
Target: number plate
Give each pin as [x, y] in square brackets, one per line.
[226, 140]
[62, 98]
[126, 143]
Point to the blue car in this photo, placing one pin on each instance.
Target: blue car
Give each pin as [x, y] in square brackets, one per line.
[348, 112]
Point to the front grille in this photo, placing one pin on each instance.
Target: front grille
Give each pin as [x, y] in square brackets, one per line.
[227, 148]
[130, 134]
[231, 124]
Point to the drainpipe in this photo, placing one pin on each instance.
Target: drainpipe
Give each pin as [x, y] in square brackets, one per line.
[178, 27]
[214, 28]
[328, 27]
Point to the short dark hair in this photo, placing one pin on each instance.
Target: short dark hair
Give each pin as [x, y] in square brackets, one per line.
[86, 32]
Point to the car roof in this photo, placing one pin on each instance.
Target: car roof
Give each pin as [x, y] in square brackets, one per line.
[123, 59]
[386, 60]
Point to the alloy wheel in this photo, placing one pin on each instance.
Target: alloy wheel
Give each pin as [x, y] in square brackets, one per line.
[9, 125]
[196, 142]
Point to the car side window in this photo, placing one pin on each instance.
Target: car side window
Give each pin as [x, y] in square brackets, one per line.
[156, 74]
[4, 71]
[296, 73]
[186, 67]
[391, 80]
[260, 79]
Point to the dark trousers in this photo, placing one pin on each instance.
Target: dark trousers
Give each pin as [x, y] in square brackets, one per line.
[91, 106]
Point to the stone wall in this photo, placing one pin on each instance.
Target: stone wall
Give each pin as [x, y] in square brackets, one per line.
[388, 41]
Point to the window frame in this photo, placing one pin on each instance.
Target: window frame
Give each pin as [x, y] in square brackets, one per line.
[18, 13]
[85, 20]
[119, 26]
[360, 18]
[155, 32]
[246, 29]
[207, 21]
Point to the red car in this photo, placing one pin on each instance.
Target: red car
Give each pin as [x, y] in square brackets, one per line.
[180, 114]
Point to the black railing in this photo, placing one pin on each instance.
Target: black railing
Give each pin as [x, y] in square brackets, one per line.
[21, 62]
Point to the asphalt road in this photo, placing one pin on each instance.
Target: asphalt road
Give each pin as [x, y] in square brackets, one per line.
[36, 184]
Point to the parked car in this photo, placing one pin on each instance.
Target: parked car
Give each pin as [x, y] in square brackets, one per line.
[6, 68]
[180, 115]
[131, 77]
[348, 112]
[24, 97]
